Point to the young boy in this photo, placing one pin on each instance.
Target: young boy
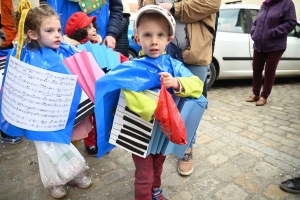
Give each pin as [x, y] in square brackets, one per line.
[154, 29]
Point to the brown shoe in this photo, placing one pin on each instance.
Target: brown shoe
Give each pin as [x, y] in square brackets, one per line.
[252, 98]
[186, 164]
[262, 101]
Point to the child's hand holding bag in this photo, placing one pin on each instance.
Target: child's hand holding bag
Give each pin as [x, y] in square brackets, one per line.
[169, 118]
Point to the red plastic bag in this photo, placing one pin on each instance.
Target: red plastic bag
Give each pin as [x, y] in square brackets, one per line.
[169, 118]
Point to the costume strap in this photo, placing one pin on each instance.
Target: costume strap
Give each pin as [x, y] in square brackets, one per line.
[23, 8]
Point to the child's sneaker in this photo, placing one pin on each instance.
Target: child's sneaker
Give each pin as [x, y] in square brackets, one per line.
[81, 181]
[58, 192]
[157, 194]
[11, 140]
[92, 150]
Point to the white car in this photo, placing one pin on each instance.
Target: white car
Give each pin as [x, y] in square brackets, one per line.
[233, 52]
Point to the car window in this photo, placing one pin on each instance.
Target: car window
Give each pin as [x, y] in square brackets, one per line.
[292, 33]
[297, 28]
[253, 14]
[232, 20]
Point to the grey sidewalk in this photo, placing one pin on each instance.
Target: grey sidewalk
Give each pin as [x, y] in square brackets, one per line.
[242, 152]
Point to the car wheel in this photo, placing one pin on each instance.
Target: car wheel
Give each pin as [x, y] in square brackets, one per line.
[131, 54]
[211, 75]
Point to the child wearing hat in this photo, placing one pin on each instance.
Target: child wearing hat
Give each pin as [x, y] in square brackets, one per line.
[154, 29]
[81, 28]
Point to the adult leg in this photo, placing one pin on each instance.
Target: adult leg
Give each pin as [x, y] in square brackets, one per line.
[186, 164]
[204, 93]
[144, 177]
[201, 72]
[259, 59]
[272, 60]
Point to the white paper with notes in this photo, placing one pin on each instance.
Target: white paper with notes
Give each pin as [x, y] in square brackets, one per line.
[36, 99]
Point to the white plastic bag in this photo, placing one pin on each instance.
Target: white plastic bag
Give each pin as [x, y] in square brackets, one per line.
[59, 163]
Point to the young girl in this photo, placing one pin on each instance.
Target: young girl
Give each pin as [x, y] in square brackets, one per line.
[80, 28]
[42, 30]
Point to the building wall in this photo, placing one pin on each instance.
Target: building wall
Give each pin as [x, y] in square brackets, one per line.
[259, 2]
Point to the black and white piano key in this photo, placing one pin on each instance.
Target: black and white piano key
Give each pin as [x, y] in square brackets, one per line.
[123, 105]
[2, 66]
[122, 132]
[129, 130]
[85, 108]
[119, 129]
[133, 119]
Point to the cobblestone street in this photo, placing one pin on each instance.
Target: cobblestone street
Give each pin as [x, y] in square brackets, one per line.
[243, 152]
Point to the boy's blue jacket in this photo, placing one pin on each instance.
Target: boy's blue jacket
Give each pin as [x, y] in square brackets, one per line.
[51, 60]
[136, 75]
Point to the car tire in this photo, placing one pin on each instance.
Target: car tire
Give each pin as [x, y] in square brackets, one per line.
[211, 75]
[131, 54]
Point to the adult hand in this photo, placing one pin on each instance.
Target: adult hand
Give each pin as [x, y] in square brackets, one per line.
[166, 6]
[169, 80]
[110, 42]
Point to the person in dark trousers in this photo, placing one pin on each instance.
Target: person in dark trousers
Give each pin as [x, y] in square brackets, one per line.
[275, 20]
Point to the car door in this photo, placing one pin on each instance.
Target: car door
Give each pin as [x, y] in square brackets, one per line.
[232, 44]
[289, 64]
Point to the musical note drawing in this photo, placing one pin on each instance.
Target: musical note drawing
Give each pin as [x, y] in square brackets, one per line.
[36, 99]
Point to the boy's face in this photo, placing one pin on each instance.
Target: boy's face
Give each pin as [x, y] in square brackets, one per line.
[50, 33]
[92, 33]
[153, 36]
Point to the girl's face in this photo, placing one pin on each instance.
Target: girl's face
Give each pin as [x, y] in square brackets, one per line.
[92, 33]
[50, 33]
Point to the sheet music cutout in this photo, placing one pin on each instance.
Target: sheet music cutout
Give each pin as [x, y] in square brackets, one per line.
[36, 99]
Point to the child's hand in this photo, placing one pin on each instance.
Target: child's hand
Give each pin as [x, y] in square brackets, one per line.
[169, 80]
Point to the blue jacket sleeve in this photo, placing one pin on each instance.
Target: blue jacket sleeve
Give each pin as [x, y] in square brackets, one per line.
[115, 18]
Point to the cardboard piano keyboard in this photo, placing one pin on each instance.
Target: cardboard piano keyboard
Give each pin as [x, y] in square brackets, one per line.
[132, 133]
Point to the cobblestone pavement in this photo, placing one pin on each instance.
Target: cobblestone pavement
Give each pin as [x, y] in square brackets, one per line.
[242, 153]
